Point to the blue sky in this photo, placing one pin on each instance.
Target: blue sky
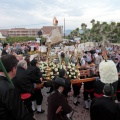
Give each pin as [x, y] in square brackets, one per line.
[38, 13]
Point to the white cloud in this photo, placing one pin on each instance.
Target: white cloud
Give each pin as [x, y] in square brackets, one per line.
[38, 13]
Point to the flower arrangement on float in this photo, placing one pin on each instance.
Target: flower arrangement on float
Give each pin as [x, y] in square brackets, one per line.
[108, 71]
[71, 71]
[43, 67]
[53, 69]
[108, 74]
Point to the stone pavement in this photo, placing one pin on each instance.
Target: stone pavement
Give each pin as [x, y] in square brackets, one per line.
[81, 115]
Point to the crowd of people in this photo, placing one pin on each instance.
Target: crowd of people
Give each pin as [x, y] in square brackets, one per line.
[18, 101]
[20, 48]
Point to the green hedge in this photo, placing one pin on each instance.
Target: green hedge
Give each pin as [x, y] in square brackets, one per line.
[21, 39]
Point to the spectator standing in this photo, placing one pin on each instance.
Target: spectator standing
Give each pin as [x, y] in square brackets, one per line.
[36, 78]
[5, 47]
[105, 108]
[11, 105]
[58, 107]
[23, 84]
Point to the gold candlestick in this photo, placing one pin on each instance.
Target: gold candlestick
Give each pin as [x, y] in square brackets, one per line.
[77, 66]
[48, 60]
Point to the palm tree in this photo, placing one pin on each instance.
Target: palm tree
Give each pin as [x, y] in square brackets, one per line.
[83, 26]
[77, 29]
[112, 25]
[118, 26]
[93, 22]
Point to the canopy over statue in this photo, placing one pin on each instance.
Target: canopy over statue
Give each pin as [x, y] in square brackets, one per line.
[55, 35]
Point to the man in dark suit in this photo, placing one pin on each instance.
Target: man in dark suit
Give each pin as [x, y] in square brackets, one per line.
[62, 74]
[36, 78]
[117, 63]
[5, 47]
[11, 105]
[104, 108]
[23, 84]
[58, 107]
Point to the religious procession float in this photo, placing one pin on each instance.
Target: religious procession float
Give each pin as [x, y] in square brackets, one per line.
[56, 55]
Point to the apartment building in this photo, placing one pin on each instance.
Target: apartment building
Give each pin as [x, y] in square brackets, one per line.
[20, 32]
[14, 32]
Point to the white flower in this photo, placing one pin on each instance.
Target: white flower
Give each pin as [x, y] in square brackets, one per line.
[72, 73]
[73, 68]
[42, 68]
[73, 65]
[64, 67]
[51, 73]
[69, 67]
[58, 66]
[76, 70]
[54, 65]
[74, 76]
[40, 62]
[45, 63]
[52, 77]
[44, 75]
[67, 73]
[61, 66]
[108, 71]
[57, 73]
[56, 69]
[70, 76]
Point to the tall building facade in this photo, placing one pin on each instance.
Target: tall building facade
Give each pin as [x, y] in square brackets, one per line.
[21, 32]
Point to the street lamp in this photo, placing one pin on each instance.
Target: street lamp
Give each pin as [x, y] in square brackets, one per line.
[64, 28]
[83, 25]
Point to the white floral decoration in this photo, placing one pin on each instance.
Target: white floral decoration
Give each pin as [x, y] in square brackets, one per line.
[108, 71]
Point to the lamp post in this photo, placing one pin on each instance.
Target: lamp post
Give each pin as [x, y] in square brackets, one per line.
[83, 25]
[64, 28]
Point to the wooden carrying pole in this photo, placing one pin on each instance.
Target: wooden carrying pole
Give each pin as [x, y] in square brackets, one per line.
[77, 81]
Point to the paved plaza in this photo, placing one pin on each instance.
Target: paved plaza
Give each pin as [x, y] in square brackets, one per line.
[81, 115]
